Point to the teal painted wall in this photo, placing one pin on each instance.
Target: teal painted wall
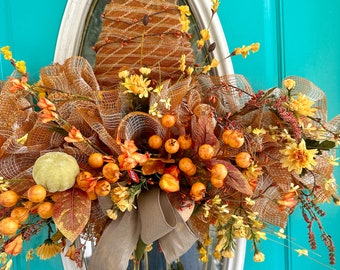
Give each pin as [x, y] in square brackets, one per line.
[297, 38]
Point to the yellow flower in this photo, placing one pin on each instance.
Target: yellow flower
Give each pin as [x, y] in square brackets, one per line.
[185, 10]
[289, 84]
[214, 63]
[259, 131]
[244, 50]
[6, 52]
[158, 89]
[167, 103]
[260, 235]
[21, 66]
[302, 252]
[280, 234]
[137, 85]
[258, 256]
[189, 71]
[206, 69]
[200, 44]
[145, 71]
[215, 5]
[205, 34]
[249, 201]
[297, 157]
[302, 105]
[48, 249]
[254, 47]
[228, 253]
[333, 161]
[203, 254]
[185, 22]
[112, 214]
[123, 74]
[153, 110]
[182, 65]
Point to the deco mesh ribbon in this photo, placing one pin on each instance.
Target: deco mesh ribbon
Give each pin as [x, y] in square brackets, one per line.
[94, 102]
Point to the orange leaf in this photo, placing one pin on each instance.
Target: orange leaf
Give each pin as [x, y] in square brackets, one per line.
[72, 212]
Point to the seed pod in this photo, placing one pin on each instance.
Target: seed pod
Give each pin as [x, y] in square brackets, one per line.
[212, 47]
[146, 19]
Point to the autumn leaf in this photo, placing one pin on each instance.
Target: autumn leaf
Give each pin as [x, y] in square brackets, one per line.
[72, 212]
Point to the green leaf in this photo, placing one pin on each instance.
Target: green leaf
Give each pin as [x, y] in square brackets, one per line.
[140, 249]
[326, 145]
[180, 266]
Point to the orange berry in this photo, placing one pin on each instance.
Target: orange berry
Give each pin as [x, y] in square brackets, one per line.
[192, 171]
[36, 193]
[185, 142]
[219, 171]
[102, 188]
[216, 182]
[243, 160]
[111, 172]
[45, 210]
[235, 139]
[9, 226]
[185, 164]
[206, 151]
[171, 146]
[197, 191]
[168, 120]
[96, 160]
[155, 141]
[20, 213]
[225, 135]
[84, 180]
[9, 198]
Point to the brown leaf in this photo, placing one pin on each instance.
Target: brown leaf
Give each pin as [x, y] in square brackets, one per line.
[236, 180]
[72, 212]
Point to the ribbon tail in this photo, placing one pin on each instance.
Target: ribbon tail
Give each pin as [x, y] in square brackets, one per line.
[117, 243]
[178, 241]
[156, 214]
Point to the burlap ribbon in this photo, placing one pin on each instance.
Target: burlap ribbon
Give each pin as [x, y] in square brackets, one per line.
[154, 219]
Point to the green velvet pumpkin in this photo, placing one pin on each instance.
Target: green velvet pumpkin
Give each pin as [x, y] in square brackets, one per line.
[56, 171]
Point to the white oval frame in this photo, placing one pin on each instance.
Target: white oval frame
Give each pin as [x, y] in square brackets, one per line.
[68, 43]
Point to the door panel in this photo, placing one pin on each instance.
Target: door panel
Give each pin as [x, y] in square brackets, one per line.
[297, 38]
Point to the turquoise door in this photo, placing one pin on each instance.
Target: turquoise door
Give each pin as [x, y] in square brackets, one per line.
[297, 38]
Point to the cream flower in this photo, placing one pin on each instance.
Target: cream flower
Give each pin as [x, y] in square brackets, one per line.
[298, 157]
